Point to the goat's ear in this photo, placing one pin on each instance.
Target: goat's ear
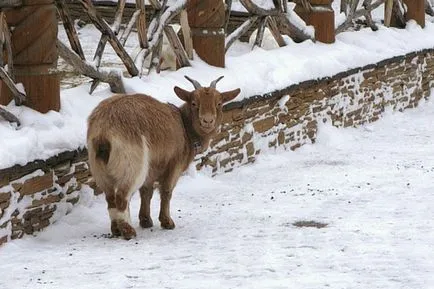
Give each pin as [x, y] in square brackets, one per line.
[182, 94]
[229, 95]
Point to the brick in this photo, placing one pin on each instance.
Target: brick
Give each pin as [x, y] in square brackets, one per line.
[37, 184]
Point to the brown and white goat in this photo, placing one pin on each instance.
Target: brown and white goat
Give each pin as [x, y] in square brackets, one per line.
[135, 140]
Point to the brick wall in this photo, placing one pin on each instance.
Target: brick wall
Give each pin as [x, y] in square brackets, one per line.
[37, 194]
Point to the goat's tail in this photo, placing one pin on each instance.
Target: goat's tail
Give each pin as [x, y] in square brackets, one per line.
[102, 149]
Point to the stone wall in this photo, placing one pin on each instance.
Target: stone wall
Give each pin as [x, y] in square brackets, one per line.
[35, 195]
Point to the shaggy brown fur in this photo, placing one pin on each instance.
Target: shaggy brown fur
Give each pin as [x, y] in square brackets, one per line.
[135, 141]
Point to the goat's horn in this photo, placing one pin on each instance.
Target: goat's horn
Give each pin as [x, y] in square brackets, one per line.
[214, 83]
[196, 84]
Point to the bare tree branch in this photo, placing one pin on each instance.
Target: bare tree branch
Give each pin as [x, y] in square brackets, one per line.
[113, 78]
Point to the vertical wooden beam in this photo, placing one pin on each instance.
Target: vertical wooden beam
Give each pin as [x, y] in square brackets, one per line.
[416, 11]
[141, 24]
[207, 21]
[35, 53]
[321, 17]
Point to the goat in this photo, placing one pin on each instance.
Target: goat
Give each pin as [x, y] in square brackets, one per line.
[135, 141]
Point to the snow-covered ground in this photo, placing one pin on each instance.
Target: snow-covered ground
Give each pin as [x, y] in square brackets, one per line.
[373, 187]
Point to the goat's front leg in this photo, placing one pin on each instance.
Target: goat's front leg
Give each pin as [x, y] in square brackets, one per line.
[122, 199]
[166, 188]
[146, 192]
[164, 217]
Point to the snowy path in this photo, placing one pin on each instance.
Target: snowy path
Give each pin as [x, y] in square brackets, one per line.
[373, 186]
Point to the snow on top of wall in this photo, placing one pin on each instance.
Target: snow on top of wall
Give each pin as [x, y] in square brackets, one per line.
[255, 71]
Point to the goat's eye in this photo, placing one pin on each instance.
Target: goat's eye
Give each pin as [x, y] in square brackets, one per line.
[219, 104]
[193, 103]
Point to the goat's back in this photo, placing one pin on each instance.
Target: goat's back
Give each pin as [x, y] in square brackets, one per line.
[128, 135]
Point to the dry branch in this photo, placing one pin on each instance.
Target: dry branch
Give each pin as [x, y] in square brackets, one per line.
[69, 27]
[19, 96]
[368, 7]
[9, 116]
[289, 28]
[240, 31]
[155, 34]
[157, 5]
[186, 33]
[141, 24]
[260, 33]
[178, 49]
[105, 29]
[8, 76]
[428, 8]
[126, 33]
[104, 38]
[113, 78]
[10, 3]
[228, 13]
[272, 25]
[256, 10]
[398, 13]
[388, 13]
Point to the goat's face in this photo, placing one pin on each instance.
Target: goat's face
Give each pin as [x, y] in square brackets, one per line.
[205, 105]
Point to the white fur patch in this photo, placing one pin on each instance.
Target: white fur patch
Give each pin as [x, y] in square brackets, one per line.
[141, 177]
[115, 214]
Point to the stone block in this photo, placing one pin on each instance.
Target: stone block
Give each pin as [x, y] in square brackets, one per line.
[263, 125]
[37, 184]
[4, 197]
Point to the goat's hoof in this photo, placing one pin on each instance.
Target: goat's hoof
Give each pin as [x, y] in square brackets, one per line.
[115, 230]
[126, 230]
[167, 223]
[146, 222]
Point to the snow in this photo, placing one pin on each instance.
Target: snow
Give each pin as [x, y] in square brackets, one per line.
[44, 135]
[372, 186]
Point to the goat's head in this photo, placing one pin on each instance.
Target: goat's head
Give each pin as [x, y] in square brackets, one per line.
[205, 104]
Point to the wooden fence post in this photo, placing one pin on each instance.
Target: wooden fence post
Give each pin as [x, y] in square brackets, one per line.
[207, 21]
[416, 11]
[35, 54]
[321, 17]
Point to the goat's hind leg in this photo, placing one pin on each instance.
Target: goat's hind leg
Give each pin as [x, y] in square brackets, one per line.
[146, 192]
[122, 199]
[112, 210]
